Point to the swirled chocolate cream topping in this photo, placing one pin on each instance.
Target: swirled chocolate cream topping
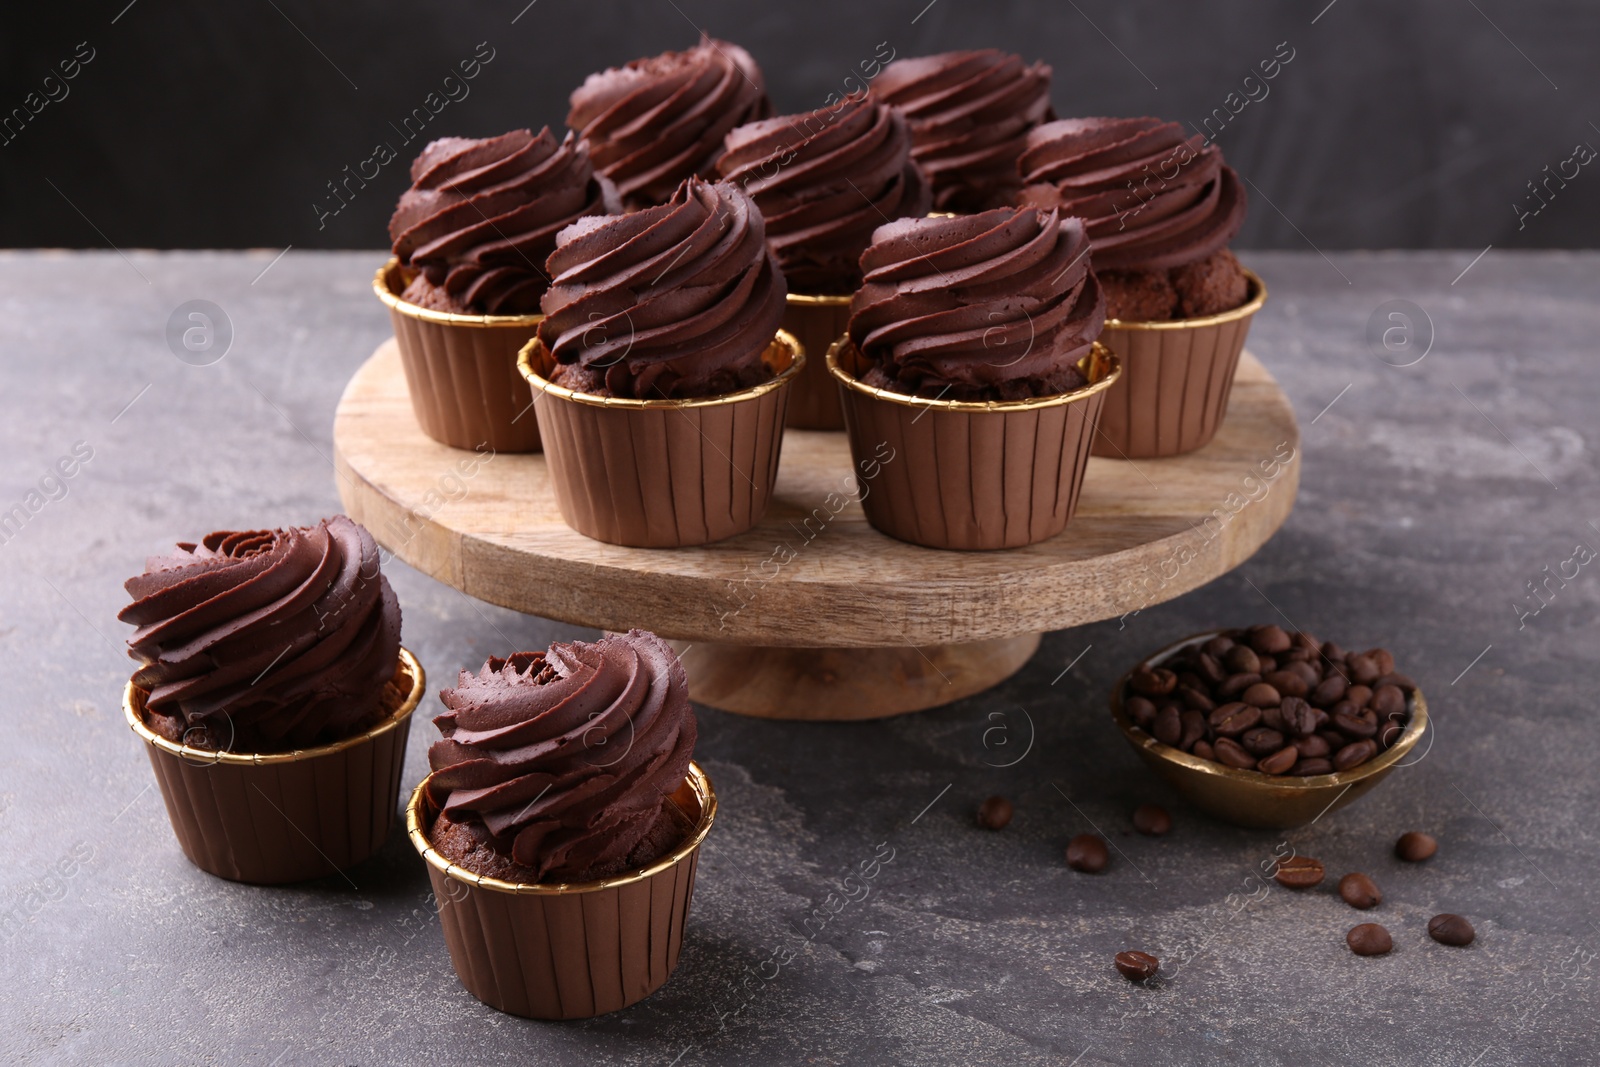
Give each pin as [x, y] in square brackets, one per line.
[678, 300]
[970, 113]
[653, 123]
[559, 765]
[995, 306]
[824, 181]
[481, 217]
[265, 640]
[1160, 208]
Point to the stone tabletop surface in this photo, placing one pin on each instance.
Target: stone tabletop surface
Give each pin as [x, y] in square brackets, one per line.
[1447, 510]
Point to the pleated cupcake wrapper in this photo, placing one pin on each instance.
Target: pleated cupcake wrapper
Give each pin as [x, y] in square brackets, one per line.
[964, 475]
[567, 951]
[461, 371]
[663, 473]
[284, 817]
[816, 322]
[1176, 380]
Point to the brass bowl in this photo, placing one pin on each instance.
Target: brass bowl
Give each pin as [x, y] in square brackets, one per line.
[1250, 798]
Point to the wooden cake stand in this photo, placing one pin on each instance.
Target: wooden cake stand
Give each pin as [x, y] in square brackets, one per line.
[812, 614]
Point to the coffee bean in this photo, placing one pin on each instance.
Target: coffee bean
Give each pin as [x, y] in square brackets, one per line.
[1262, 695]
[1153, 681]
[1234, 684]
[1308, 768]
[1151, 820]
[1358, 695]
[1344, 707]
[1329, 691]
[1207, 666]
[1189, 680]
[1289, 683]
[1335, 739]
[1087, 853]
[1399, 681]
[1141, 711]
[1332, 653]
[1355, 754]
[1306, 641]
[1268, 664]
[1415, 846]
[1362, 670]
[1194, 728]
[1298, 872]
[1261, 741]
[1383, 659]
[1450, 929]
[1242, 659]
[1312, 747]
[1269, 639]
[1388, 700]
[1306, 672]
[1204, 750]
[1169, 726]
[1194, 698]
[1137, 966]
[1362, 724]
[994, 813]
[1231, 720]
[1295, 655]
[1229, 752]
[1272, 718]
[1359, 891]
[1369, 939]
[1299, 718]
[1280, 762]
[1391, 730]
[1218, 646]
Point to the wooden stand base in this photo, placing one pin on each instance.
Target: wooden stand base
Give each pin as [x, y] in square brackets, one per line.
[847, 683]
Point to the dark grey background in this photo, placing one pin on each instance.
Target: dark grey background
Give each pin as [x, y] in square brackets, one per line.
[1412, 125]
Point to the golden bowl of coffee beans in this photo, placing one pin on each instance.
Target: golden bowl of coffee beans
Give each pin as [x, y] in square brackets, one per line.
[1265, 727]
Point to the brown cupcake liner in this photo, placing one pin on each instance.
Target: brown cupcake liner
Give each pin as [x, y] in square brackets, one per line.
[566, 951]
[970, 475]
[816, 322]
[461, 370]
[663, 473]
[1176, 380]
[278, 817]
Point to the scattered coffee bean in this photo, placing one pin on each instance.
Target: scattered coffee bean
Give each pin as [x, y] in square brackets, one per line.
[1137, 966]
[1369, 939]
[1280, 762]
[1450, 929]
[1231, 753]
[1151, 820]
[994, 813]
[1087, 853]
[1298, 872]
[1415, 846]
[1359, 891]
[1282, 702]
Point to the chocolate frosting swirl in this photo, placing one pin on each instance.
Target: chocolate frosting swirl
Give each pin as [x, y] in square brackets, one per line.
[1152, 198]
[566, 756]
[995, 306]
[263, 640]
[481, 216]
[969, 114]
[677, 300]
[824, 181]
[653, 123]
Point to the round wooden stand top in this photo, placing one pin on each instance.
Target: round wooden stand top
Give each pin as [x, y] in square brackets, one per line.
[1145, 531]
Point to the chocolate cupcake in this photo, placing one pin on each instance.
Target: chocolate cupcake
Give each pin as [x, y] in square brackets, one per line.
[824, 181]
[971, 351]
[653, 123]
[661, 372]
[1160, 208]
[970, 113]
[470, 238]
[562, 823]
[272, 668]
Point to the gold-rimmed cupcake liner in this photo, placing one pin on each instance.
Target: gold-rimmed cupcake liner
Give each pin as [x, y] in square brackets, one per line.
[663, 473]
[566, 950]
[1251, 798]
[461, 370]
[816, 322]
[970, 475]
[271, 818]
[1177, 377]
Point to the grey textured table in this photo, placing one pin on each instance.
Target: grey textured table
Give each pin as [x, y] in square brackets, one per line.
[1431, 495]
